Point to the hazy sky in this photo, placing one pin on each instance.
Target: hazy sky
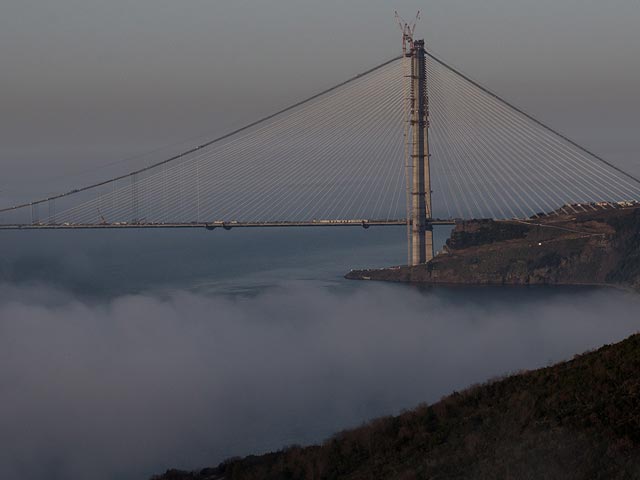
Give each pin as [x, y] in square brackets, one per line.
[86, 82]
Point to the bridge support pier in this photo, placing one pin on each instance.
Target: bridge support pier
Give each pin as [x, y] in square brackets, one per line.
[421, 230]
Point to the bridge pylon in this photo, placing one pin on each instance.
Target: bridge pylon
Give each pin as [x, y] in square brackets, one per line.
[421, 212]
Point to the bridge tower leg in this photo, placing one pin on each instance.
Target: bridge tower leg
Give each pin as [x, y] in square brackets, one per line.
[422, 230]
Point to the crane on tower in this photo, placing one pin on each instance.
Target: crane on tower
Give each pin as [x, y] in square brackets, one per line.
[408, 30]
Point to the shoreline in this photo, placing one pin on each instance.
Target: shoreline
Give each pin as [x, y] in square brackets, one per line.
[593, 249]
[623, 288]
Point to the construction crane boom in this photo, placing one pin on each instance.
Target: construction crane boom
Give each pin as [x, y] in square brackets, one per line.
[408, 30]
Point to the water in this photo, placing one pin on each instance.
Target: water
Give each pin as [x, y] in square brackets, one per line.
[123, 353]
[111, 263]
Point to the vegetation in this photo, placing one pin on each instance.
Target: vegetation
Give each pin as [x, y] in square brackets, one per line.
[627, 271]
[590, 247]
[483, 232]
[575, 420]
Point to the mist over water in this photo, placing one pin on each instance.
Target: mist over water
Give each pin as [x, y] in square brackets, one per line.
[124, 355]
[111, 263]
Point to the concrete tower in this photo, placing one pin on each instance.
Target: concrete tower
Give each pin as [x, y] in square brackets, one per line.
[421, 230]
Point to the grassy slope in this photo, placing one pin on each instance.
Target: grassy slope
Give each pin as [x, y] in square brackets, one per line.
[575, 420]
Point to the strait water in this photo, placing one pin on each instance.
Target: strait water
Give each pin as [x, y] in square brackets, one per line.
[123, 353]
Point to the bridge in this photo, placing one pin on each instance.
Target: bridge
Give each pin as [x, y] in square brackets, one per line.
[412, 141]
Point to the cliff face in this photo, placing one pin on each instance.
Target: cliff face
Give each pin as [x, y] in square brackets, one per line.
[589, 248]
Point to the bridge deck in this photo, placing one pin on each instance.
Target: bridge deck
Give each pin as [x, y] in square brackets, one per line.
[214, 225]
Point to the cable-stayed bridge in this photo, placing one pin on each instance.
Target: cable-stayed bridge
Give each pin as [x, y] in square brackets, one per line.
[412, 141]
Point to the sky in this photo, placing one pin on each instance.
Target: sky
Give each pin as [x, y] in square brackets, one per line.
[87, 83]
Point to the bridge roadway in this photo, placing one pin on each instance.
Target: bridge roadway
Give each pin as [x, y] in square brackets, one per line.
[214, 225]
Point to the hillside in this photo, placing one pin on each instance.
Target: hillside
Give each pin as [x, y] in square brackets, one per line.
[599, 247]
[576, 420]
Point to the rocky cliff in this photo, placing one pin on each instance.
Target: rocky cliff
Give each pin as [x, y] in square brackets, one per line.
[593, 247]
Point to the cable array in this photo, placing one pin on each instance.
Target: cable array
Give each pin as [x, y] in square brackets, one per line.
[341, 155]
[492, 160]
[337, 156]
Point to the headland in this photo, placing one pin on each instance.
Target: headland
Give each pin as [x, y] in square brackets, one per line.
[576, 245]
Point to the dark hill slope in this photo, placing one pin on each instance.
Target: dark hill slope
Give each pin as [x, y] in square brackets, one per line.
[575, 420]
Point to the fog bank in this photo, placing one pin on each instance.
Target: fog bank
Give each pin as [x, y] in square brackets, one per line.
[131, 386]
